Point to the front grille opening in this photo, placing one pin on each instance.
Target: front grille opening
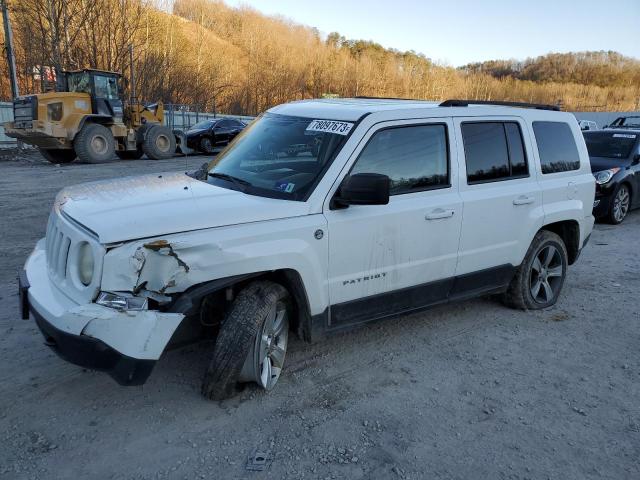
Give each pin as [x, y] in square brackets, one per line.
[62, 265]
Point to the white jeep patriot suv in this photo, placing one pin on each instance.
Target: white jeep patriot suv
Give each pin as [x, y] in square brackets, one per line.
[322, 215]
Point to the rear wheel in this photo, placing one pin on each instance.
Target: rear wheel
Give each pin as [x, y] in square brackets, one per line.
[252, 342]
[619, 205]
[94, 143]
[159, 143]
[58, 155]
[539, 279]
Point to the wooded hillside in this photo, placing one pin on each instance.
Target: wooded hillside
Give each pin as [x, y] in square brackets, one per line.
[241, 61]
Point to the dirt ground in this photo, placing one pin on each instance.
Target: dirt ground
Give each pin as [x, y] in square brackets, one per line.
[466, 391]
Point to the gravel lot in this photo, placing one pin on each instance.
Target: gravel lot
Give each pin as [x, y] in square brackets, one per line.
[466, 391]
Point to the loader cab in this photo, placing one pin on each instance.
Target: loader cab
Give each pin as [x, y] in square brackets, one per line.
[103, 88]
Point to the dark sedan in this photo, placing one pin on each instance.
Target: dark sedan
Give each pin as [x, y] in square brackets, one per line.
[615, 163]
[205, 136]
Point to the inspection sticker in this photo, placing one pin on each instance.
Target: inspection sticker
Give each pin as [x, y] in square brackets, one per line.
[623, 135]
[330, 126]
[285, 187]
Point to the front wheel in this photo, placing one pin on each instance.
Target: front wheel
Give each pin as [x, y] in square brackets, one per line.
[159, 143]
[539, 279]
[252, 342]
[619, 205]
[206, 145]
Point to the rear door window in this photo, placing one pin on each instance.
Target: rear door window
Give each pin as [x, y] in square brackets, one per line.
[493, 151]
[556, 146]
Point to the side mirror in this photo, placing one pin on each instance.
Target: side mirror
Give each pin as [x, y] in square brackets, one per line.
[363, 189]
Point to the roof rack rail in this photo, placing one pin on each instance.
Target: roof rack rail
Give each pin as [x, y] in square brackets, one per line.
[364, 97]
[466, 103]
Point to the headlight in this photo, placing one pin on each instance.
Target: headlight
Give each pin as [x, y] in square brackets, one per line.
[605, 176]
[122, 301]
[85, 263]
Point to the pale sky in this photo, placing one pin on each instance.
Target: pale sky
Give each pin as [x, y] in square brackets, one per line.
[462, 31]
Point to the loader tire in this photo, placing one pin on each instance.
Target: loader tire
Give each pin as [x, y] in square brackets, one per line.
[237, 335]
[94, 144]
[58, 155]
[159, 143]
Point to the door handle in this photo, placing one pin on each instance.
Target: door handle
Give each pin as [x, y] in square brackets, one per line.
[523, 200]
[439, 213]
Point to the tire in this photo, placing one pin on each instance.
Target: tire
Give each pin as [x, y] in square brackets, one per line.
[528, 288]
[94, 143]
[241, 331]
[58, 155]
[130, 154]
[620, 203]
[159, 143]
[205, 145]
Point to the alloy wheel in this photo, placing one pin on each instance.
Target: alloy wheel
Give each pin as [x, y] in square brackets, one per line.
[207, 146]
[547, 271]
[264, 363]
[621, 204]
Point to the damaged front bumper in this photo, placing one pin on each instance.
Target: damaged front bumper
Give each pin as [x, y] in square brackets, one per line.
[125, 344]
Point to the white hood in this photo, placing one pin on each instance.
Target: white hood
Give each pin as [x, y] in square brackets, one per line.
[160, 204]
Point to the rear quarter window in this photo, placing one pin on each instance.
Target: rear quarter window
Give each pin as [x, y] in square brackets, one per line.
[556, 146]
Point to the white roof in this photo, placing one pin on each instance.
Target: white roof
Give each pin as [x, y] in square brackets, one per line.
[352, 109]
[346, 108]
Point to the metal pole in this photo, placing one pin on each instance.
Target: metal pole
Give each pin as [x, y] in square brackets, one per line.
[133, 78]
[8, 45]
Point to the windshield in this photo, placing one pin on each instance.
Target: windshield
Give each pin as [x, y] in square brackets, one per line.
[279, 156]
[626, 122]
[203, 125]
[106, 87]
[79, 82]
[609, 144]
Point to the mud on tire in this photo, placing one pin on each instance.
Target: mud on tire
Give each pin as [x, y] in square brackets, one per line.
[237, 334]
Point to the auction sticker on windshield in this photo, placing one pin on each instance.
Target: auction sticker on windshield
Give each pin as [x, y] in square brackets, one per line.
[330, 126]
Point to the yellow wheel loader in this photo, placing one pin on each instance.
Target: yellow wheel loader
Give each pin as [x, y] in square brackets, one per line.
[88, 120]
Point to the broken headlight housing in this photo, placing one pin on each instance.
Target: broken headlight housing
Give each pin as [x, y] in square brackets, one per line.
[122, 301]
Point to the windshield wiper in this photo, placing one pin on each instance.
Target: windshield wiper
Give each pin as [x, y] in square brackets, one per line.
[230, 178]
